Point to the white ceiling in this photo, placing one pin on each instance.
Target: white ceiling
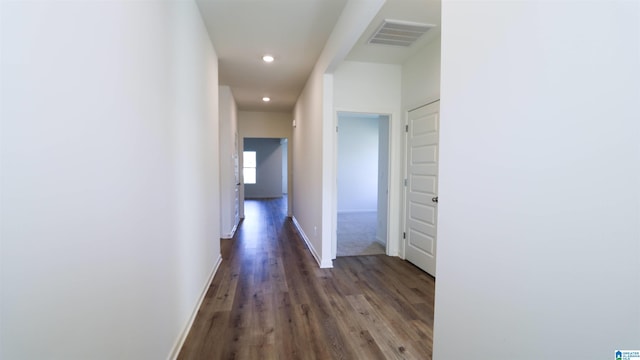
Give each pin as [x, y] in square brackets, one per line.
[294, 32]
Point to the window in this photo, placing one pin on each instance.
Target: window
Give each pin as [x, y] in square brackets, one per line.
[249, 167]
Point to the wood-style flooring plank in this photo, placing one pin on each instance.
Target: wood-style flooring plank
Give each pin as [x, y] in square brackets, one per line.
[270, 300]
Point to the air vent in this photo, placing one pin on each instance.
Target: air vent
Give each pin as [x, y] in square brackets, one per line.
[398, 33]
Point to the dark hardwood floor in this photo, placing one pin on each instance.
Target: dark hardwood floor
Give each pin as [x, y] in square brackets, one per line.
[269, 300]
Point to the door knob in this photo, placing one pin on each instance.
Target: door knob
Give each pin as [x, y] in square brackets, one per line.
[434, 199]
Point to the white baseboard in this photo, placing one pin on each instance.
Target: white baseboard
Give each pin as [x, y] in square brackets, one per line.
[175, 351]
[230, 234]
[381, 242]
[323, 264]
[328, 264]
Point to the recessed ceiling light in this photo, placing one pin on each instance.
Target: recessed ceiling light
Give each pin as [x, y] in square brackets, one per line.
[267, 58]
[266, 99]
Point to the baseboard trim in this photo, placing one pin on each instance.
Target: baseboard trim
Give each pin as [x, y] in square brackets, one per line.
[230, 234]
[175, 351]
[328, 264]
[322, 264]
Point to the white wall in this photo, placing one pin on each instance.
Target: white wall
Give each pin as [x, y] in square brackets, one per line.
[420, 85]
[421, 76]
[357, 163]
[110, 185]
[376, 88]
[307, 167]
[268, 168]
[229, 163]
[258, 124]
[539, 218]
[313, 146]
[367, 87]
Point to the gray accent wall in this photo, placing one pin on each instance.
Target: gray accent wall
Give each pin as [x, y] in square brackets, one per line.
[269, 168]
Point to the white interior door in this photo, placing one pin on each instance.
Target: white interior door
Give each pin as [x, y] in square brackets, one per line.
[422, 187]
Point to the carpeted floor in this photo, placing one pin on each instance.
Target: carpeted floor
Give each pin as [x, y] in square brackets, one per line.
[357, 234]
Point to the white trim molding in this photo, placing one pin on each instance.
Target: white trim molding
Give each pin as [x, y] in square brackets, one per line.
[230, 234]
[175, 351]
[324, 264]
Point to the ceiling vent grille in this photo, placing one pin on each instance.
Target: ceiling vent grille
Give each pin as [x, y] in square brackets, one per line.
[398, 33]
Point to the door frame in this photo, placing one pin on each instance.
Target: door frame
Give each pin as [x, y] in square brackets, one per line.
[288, 167]
[334, 211]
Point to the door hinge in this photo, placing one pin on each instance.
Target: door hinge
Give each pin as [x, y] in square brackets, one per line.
[406, 128]
[336, 129]
[404, 235]
[405, 182]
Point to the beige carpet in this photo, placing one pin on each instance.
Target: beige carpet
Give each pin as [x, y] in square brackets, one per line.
[357, 234]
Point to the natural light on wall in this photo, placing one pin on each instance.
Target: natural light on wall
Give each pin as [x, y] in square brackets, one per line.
[249, 167]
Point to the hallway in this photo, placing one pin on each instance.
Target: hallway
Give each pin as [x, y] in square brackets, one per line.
[270, 300]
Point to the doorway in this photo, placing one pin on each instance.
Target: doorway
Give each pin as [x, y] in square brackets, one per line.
[362, 184]
[265, 169]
